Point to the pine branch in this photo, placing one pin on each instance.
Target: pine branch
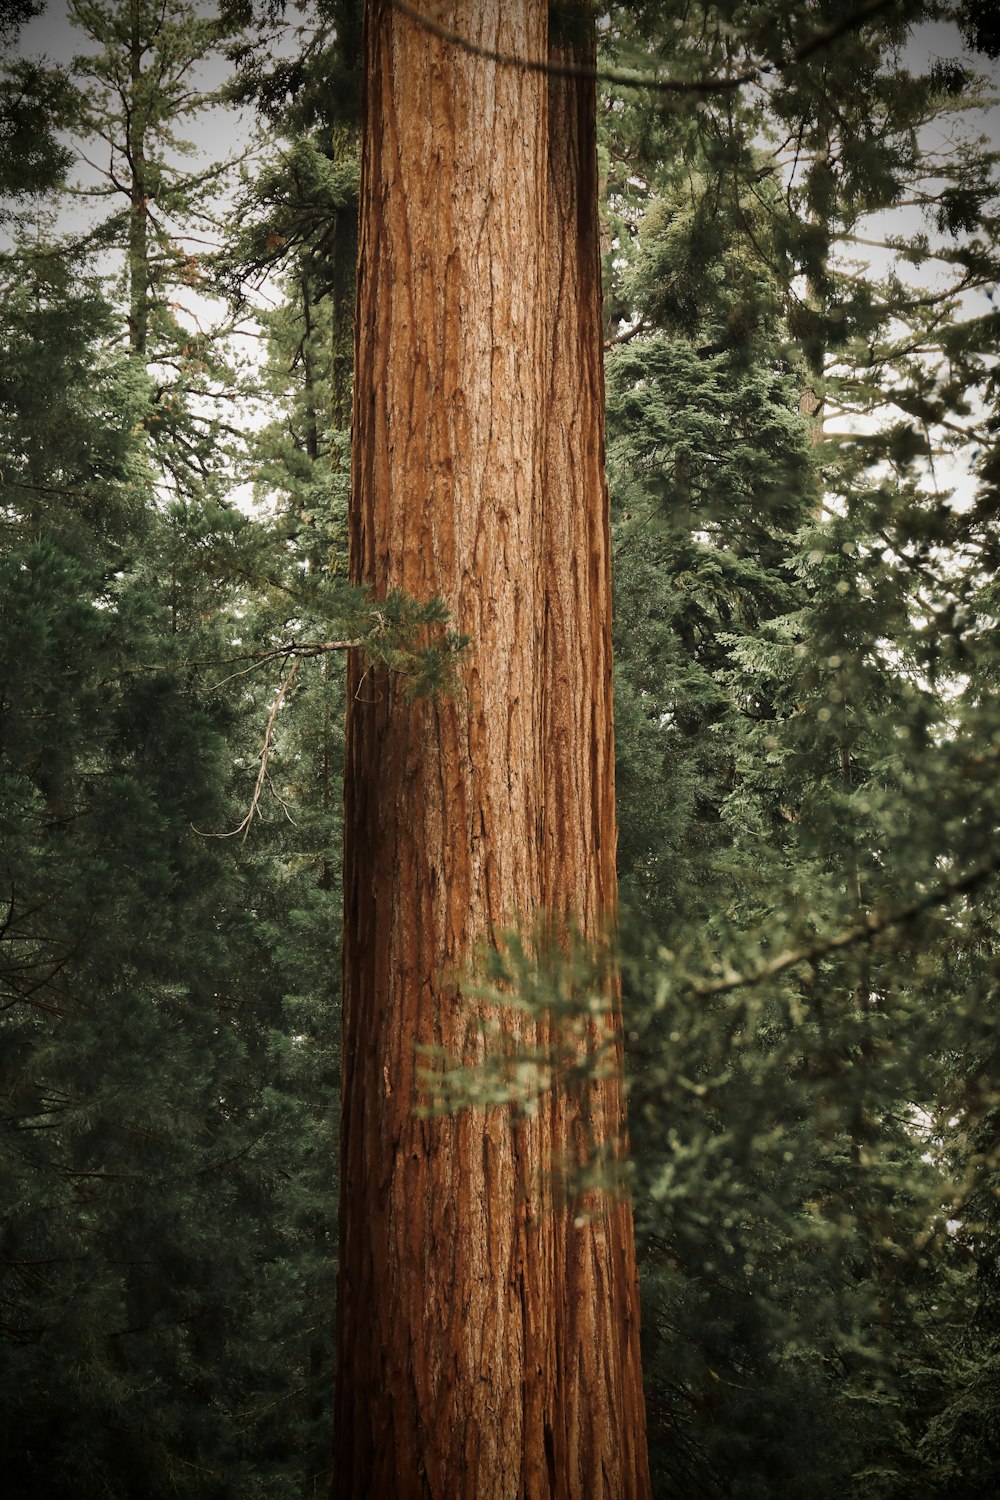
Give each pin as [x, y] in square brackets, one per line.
[556, 69]
[552, 68]
[260, 658]
[863, 931]
[850, 22]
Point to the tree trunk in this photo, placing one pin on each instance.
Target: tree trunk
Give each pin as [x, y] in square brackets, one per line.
[342, 292]
[488, 1324]
[138, 223]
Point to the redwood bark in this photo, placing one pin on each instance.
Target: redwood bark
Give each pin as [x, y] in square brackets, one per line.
[488, 1326]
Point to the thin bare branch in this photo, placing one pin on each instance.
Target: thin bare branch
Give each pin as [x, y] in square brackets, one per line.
[627, 335]
[288, 650]
[262, 775]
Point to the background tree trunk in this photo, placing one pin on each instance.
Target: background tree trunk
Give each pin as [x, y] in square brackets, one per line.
[488, 1335]
[592, 1297]
[138, 222]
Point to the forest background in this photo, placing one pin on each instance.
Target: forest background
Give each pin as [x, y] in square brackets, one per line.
[800, 273]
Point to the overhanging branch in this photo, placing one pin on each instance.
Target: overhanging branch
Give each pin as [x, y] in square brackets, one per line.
[553, 68]
[262, 775]
[559, 68]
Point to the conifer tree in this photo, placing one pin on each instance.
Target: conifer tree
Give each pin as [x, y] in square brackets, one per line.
[140, 80]
[33, 100]
[782, 652]
[805, 741]
[123, 1113]
[487, 1338]
[165, 1233]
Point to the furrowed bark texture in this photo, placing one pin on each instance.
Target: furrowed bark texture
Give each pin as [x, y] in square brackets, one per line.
[487, 1323]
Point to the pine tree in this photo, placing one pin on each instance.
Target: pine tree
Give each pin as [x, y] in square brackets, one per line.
[167, 1241]
[33, 100]
[137, 84]
[111, 1159]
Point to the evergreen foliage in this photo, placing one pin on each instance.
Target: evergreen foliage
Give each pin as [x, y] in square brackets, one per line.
[115, 1125]
[806, 722]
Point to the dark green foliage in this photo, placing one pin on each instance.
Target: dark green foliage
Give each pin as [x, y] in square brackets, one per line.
[14, 14]
[32, 160]
[319, 85]
[978, 21]
[34, 102]
[806, 722]
[167, 1055]
[800, 620]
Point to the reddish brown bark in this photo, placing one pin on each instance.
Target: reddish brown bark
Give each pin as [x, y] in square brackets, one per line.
[488, 1330]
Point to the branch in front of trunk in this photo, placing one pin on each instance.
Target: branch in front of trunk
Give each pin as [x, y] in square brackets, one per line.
[817, 41]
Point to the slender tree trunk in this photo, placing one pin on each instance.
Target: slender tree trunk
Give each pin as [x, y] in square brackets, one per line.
[138, 223]
[342, 295]
[488, 1330]
[308, 370]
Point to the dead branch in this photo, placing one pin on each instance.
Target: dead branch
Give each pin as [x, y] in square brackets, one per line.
[262, 775]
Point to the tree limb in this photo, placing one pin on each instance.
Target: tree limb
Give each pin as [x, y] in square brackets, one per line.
[562, 69]
[262, 776]
[864, 931]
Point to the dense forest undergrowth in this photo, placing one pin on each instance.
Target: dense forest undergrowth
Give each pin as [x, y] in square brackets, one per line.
[799, 221]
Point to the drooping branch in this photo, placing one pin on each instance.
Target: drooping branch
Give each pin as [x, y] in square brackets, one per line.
[623, 78]
[265, 754]
[567, 69]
